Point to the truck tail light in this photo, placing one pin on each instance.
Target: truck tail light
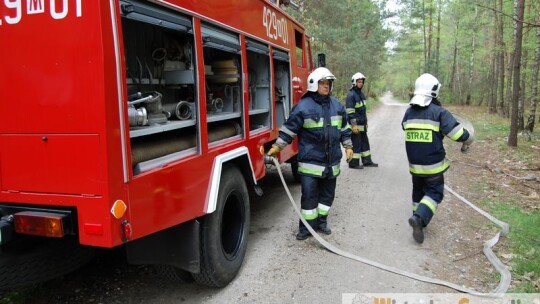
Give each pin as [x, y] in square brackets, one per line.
[39, 223]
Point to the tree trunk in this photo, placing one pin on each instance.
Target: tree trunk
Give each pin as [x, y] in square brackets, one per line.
[494, 87]
[454, 61]
[501, 68]
[471, 58]
[520, 122]
[492, 83]
[430, 37]
[425, 33]
[438, 46]
[512, 138]
[508, 98]
[534, 92]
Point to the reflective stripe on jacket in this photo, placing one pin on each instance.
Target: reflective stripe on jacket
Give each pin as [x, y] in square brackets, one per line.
[425, 128]
[320, 127]
[356, 107]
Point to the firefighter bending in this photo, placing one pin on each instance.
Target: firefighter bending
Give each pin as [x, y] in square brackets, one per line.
[425, 124]
[356, 111]
[320, 122]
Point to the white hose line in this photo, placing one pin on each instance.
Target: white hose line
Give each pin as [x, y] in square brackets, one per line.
[506, 277]
[499, 292]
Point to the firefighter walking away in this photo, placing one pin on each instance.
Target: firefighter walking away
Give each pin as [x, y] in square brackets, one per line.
[426, 123]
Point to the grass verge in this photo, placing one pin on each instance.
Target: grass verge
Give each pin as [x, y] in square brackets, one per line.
[515, 187]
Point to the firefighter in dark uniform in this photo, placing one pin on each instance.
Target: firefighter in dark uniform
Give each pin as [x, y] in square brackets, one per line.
[319, 121]
[356, 111]
[426, 123]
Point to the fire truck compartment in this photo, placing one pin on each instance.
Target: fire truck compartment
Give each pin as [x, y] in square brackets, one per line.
[51, 163]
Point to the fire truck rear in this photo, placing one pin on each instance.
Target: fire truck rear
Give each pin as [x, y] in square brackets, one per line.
[140, 124]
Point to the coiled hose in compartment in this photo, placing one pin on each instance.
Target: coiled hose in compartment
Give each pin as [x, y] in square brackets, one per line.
[157, 145]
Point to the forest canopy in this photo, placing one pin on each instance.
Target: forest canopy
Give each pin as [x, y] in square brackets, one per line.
[484, 52]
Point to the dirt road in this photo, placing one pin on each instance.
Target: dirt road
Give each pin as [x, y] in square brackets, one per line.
[369, 219]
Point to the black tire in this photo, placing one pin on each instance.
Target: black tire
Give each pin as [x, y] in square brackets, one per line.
[174, 274]
[32, 260]
[224, 233]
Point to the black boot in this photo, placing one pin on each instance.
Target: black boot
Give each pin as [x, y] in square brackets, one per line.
[368, 162]
[322, 225]
[303, 232]
[417, 224]
[356, 164]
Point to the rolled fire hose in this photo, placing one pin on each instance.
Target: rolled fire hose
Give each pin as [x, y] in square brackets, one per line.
[161, 145]
[505, 274]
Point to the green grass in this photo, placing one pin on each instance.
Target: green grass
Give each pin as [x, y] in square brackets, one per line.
[524, 239]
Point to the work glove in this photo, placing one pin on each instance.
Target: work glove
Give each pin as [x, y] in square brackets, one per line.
[355, 129]
[466, 144]
[274, 150]
[349, 154]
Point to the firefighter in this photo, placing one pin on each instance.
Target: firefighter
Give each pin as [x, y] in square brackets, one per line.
[320, 122]
[356, 111]
[425, 124]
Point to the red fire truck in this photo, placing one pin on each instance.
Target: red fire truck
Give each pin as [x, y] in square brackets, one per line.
[140, 124]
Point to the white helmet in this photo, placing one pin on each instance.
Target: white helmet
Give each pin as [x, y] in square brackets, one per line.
[426, 88]
[357, 76]
[319, 74]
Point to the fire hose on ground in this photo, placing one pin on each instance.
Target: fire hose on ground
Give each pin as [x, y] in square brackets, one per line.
[501, 268]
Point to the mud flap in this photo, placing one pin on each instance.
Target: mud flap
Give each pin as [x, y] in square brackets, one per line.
[177, 246]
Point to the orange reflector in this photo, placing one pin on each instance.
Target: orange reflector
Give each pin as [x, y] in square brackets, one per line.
[261, 150]
[118, 209]
[39, 223]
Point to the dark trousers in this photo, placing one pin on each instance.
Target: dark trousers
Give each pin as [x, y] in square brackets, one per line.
[365, 151]
[356, 143]
[427, 194]
[315, 191]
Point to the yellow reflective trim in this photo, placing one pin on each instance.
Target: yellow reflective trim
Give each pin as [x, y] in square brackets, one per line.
[457, 135]
[336, 124]
[428, 170]
[313, 124]
[310, 171]
[323, 209]
[365, 153]
[421, 126]
[310, 214]
[431, 205]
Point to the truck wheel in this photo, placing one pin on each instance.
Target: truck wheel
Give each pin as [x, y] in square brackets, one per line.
[224, 233]
[31, 260]
[173, 274]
